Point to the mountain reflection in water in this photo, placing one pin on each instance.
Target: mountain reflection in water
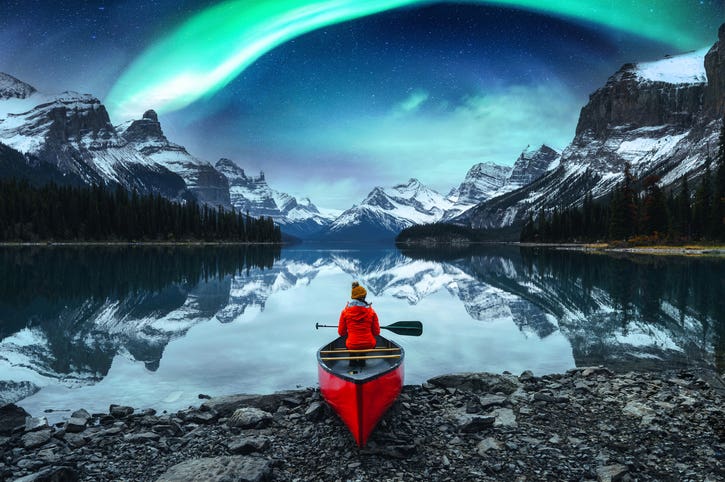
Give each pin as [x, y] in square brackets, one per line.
[156, 326]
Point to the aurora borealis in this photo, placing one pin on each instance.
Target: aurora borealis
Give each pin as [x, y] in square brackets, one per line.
[211, 48]
[333, 97]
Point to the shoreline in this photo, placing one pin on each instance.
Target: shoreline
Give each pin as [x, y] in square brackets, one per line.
[585, 424]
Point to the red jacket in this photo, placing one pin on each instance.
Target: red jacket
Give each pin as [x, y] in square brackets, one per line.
[360, 323]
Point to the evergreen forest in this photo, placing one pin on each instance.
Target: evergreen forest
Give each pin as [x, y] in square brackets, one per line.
[640, 211]
[71, 213]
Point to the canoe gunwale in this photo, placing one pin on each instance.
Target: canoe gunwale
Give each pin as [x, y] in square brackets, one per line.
[361, 381]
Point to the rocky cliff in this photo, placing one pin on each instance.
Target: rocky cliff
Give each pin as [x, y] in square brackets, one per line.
[206, 183]
[660, 117]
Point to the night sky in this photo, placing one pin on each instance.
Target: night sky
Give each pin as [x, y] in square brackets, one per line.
[331, 98]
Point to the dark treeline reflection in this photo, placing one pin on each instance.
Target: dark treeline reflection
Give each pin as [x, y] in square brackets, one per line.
[40, 279]
[683, 297]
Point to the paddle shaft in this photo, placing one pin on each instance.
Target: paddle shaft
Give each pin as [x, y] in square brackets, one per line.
[412, 328]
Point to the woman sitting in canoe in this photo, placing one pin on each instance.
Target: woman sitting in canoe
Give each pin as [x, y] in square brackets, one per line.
[359, 321]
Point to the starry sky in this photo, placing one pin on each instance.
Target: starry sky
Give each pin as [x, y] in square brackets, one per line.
[333, 97]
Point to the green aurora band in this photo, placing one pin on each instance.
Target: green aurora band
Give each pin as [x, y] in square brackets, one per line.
[211, 48]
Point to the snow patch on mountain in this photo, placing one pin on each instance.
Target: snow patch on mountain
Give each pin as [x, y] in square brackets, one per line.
[252, 194]
[387, 211]
[688, 68]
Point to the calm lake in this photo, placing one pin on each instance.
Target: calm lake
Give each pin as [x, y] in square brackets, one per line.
[157, 326]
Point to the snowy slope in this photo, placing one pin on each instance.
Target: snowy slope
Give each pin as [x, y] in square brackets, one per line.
[252, 194]
[682, 69]
[387, 211]
[73, 133]
[146, 136]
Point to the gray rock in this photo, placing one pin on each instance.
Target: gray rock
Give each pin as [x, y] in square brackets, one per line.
[82, 413]
[11, 417]
[474, 424]
[478, 382]
[201, 417]
[487, 444]
[226, 405]
[249, 417]
[35, 439]
[120, 411]
[548, 398]
[141, 437]
[527, 376]
[51, 474]
[492, 400]
[236, 468]
[611, 473]
[246, 445]
[590, 371]
[35, 423]
[172, 429]
[75, 440]
[76, 424]
[316, 411]
[504, 417]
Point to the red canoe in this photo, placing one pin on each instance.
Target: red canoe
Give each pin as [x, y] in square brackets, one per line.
[361, 394]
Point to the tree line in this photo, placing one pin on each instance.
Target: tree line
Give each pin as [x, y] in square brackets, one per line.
[640, 211]
[102, 213]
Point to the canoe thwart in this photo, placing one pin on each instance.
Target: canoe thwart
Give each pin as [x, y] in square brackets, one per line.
[333, 358]
[344, 350]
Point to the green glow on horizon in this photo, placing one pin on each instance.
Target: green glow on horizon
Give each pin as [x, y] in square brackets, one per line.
[210, 49]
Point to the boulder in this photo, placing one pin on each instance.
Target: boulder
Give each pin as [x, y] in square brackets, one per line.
[474, 424]
[250, 417]
[76, 424]
[51, 474]
[120, 411]
[35, 423]
[246, 445]
[35, 439]
[236, 468]
[11, 417]
[478, 382]
[226, 405]
[611, 473]
[487, 444]
[142, 437]
[82, 413]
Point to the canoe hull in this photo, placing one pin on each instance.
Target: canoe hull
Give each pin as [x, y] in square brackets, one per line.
[361, 405]
[361, 394]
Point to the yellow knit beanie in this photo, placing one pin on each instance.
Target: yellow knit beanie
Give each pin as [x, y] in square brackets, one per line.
[358, 292]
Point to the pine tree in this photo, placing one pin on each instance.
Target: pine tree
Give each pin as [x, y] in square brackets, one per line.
[654, 218]
[702, 205]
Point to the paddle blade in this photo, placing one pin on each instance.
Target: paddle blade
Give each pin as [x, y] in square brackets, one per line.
[408, 328]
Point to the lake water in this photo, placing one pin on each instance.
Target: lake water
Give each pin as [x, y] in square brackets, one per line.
[156, 326]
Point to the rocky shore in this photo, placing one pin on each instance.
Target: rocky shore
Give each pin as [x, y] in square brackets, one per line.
[586, 424]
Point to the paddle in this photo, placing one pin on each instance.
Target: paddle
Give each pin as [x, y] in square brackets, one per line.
[409, 328]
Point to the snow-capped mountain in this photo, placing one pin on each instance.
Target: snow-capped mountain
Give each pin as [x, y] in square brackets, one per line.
[12, 88]
[488, 180]
[145, 135]
[387, 211]
[252, 194]
[71, 133]
[661, 117]
[531, 165]
[481, 181]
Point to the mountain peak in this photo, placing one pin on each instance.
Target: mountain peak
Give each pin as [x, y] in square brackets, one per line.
[151, 115]
[144, 130]
[12, 88]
